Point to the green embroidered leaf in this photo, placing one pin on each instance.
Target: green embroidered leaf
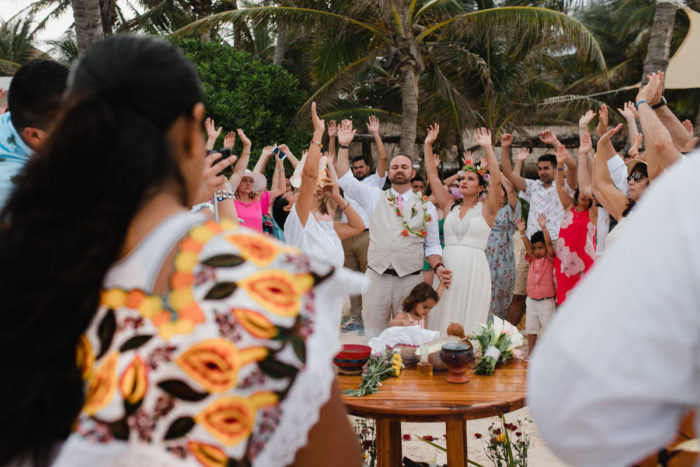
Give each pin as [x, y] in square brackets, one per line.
[224, 261]
[181, 390]
[135, 342]
[221, 290]
[105, 332]
[299, 347]
[276, 369]
[119, 429]
[238, 463]
[179, 428]
[130, 408]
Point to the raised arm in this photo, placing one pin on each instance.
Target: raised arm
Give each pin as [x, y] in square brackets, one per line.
[512, 175]
[630, 115]
[676, 130]
[585, 152]
[345, 136]
[520, 158]
[332, 132]
[309, 175]
[548, 137]
[373, 128]
[355, 224]
[542, 221]
[212, 133]
[610, 197]
[510, 192]
[661, 152]
[444, 198]
[242, 163]
[263, 159]
[278, 186]
[566, 201]
[520, 224]
[290, 157]
[495, 196]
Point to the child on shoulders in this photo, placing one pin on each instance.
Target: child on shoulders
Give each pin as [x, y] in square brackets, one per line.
[416, 306]
[541, 292]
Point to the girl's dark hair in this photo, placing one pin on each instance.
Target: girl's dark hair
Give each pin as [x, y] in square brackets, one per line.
[66, 222]
[278, 212]
[482, 182]
[418, 294]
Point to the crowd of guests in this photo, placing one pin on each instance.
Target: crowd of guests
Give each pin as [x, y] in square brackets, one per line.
[198, 340]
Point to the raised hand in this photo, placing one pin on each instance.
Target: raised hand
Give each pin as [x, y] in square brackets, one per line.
[602, 127]
[652, 91]
[483, 137]
[373, 124]
[244, 139]
[542, 220]
[523, 154]
[319, 125]
[436, 159]
[607, 136]
[467, 158]
[636, 144]
[506, 139]
[548, 137]
[586, 119]
[266, 151]
[346, 133]
[586, 143]
[332, 129]
[229, 140]
[433, 131]
[520, 224]
[284, 148]
[688, 125]
[484, 163]
[210, 126]
[628, 111]
[561, 155]
[211, 180]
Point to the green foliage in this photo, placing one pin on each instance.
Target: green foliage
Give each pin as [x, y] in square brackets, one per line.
[17, 42]
[244, 93]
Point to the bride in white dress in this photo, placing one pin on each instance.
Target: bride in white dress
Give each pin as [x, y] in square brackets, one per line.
[467, 227]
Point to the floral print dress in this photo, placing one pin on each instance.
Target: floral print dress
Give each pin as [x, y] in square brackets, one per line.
[575, 251]
[499, 253]
[229, 367]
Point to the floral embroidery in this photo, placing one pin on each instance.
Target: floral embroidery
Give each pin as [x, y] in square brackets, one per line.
[422, 232]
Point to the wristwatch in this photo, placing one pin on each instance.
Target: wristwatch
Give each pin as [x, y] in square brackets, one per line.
[661, 103]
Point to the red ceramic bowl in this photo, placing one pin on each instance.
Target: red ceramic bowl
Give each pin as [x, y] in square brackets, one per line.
[352, 357]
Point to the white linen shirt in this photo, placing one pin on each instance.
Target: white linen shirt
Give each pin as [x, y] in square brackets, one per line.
[619, 364]
[316, 238]
[545, 200]
[370, 180]
[367, 196]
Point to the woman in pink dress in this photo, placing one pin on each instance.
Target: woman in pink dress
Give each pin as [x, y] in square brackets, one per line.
[576, 244]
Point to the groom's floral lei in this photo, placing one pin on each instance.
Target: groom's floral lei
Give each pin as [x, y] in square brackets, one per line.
[406, 229]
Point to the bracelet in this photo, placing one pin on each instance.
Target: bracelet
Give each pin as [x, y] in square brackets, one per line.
[279, 170]
[637, 104]
[342, 146]
[222, 195]
[342, 208]
[561, 169]
[318, 143]
[661, 103]
[437, 266]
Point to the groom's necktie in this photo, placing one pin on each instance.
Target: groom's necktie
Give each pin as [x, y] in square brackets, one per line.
[400, 203]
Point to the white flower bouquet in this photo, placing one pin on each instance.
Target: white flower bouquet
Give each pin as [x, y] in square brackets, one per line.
[498, 341]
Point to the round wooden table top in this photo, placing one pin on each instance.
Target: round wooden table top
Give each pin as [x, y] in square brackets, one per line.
[414, 398]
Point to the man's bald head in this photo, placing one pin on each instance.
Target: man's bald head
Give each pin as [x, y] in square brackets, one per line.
[401, 170]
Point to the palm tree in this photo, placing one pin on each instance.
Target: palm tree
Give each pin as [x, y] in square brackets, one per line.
[410, 38]
[659, 49]
[17, 44]
[88, 22]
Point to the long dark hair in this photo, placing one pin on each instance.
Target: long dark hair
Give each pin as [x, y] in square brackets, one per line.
[66, 222]
[420, 293]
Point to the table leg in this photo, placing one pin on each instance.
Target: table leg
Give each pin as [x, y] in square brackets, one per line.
[456, 442]
[389, 443]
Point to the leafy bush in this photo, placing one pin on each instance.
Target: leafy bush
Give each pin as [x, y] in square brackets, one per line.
[242, 93]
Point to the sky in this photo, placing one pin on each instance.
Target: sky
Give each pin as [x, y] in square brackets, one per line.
[55, 27]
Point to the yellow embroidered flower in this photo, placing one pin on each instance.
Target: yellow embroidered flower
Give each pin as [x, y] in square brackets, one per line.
[185, 261]
[254, 248]
[113, 298]
[134, 381]
[207, 454]
[227, 224]
[151, 306]
[180, 298]
[201, 233]
[85, 356]
[230, 419]
[277, 290]
[102, 385]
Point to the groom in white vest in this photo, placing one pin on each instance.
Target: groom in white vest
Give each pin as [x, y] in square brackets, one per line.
[402, 231]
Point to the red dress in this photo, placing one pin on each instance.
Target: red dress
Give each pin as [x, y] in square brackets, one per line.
[575, 251]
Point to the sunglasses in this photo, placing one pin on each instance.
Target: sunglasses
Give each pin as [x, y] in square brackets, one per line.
[635, 176]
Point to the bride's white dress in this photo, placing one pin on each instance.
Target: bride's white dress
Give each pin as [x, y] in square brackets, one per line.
[467, 300]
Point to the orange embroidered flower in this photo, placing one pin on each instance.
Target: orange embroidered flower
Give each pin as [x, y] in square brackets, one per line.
[102, 385]
[277, 290]
[191, 245]
[113, 298]
[230, 419]
[207, 454]
[134, 381]
[214, 363]
[85, 356]
[134, 299]
[192, 313]
[255, 249]
[404, 232]
[181, 280]
[255, 323]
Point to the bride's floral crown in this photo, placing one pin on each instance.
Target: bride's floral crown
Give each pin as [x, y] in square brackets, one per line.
[470, 167]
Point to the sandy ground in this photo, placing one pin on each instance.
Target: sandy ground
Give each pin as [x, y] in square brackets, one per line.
[418, 450]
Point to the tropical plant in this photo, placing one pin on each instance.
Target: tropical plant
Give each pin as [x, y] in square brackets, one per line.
[17, 41]
[406, 38]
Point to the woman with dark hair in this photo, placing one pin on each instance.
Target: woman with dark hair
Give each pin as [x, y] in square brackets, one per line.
[195, 342]
[577, 231]
[468, 223]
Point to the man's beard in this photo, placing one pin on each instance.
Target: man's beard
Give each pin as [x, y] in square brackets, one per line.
[395, 178]
[361, 176]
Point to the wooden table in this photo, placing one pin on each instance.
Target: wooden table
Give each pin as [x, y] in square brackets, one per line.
[414, 398]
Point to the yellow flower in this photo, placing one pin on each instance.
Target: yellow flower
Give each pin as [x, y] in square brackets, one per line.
[201, 233]
[501, 438]
[113, 298]
[151, 306]
[228, 224]
[185, 261]
[179, 299]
